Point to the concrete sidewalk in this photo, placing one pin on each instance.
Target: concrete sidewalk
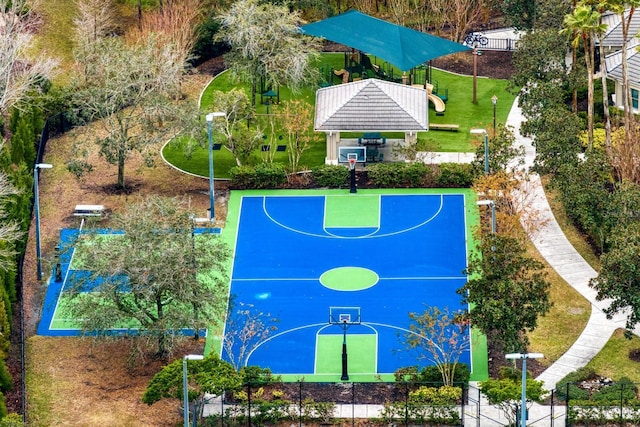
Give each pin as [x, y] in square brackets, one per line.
[567, 262]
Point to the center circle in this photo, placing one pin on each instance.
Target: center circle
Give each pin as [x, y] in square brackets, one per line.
[349, 278]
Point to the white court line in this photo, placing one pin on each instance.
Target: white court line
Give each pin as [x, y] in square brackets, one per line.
[328, 236]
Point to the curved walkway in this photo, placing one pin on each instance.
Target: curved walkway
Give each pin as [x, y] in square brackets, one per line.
[567, 262]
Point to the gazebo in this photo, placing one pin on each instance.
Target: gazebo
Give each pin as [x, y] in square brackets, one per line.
[372, 104]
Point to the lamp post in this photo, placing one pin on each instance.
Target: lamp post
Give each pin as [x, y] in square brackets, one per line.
[476, 53]
[37, 209]
[494, 101]
[185, 390]
[492, 204]
[210, 117]
[486, 147]
[524, 357]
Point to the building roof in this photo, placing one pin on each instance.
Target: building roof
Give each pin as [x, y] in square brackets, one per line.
[613, 35]
[371, 105]
[613, 63]
[401, 46]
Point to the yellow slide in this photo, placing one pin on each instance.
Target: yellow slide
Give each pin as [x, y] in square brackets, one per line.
[438, 103]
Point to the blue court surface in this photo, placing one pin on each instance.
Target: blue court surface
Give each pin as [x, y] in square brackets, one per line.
[54, 321]
[308, 258]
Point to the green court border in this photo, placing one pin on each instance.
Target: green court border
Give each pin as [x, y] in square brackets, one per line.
[479, 356]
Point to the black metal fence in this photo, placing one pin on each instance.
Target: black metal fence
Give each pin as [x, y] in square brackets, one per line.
[304, 403]
[602, 403]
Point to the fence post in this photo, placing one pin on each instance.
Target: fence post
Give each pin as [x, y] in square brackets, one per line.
[566, 415]
[353, 404]
[249, 402]
[406, 403]
[300, 403]
[621, 403]
[552, 406]
[222, 408]
[465, 393]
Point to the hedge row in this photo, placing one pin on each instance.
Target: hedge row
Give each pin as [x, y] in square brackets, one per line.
[381, 175]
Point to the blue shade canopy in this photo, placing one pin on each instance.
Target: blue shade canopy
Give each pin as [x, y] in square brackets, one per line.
[401, 46]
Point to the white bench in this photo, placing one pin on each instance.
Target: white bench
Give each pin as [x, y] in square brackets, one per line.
[88, 210]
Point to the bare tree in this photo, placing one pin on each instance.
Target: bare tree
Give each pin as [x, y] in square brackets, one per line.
[441, 337]
[266, 46]
[173, 24]
[245, 329]
[19, 70]
[297, 120]
[94, 21]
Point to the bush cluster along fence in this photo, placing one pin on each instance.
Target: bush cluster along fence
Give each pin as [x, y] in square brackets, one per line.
[335, 403]
[413, 404]
[602, 403]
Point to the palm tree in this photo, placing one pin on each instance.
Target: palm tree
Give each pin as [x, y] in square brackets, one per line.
[584, 23]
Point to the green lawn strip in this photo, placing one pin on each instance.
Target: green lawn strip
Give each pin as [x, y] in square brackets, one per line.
[55, 38]
[613, 360]
[459, 110]
[564, 323]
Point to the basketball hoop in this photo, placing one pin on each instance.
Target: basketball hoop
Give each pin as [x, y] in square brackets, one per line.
[352, 158]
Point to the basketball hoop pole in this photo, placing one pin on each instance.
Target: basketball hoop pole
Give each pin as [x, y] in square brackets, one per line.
[345, 374]
[352, 176]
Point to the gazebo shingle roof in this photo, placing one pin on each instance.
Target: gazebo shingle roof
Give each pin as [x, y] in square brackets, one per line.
[371, 105]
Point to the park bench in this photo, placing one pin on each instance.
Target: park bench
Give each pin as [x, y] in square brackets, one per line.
[88, 210]
[444, 126]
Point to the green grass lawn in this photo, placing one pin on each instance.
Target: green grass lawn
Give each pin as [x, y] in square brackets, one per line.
[460, 110]
[613, 360]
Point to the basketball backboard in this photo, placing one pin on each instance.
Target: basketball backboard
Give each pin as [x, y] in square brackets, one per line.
[345, 152]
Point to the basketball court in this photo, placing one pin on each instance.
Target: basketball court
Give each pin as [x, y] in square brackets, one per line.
[338, 268]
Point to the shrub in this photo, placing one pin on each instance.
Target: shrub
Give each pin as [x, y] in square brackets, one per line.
[455, 175]
[431, 374]
[270, 175]
[387, 175]
[623, 390]
[331, 176]
[574, 392]
[264, 175]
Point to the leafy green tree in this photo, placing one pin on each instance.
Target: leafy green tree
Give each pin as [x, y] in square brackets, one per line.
[239, 138]
[439, 337]
[507, 291]
[267, 47]
[156, 277]
[585, 192]
[557, 142]
[619, 279]
[210, 375]
[506, 392]
[130, 89]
